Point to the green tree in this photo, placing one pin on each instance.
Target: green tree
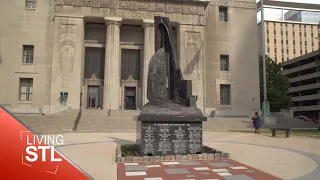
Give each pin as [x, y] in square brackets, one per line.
[277, 86]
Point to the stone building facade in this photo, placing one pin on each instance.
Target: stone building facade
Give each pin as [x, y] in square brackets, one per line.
[98, 52]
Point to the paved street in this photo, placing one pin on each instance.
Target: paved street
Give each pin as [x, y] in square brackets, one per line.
[286, 158]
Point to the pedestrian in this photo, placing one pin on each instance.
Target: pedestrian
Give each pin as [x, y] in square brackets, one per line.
[256, 123]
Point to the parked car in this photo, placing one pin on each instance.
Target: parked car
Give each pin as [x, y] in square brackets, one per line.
[304, 118]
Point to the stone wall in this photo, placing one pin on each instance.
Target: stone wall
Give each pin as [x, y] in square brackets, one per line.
[238, 39]
[21, 26]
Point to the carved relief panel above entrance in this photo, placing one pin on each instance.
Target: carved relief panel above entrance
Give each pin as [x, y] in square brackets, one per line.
[68, 34]
[193, 50]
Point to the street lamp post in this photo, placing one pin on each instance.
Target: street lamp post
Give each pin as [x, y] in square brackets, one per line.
[265, 103]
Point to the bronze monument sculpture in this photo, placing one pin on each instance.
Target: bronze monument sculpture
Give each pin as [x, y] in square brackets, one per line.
[171, 123]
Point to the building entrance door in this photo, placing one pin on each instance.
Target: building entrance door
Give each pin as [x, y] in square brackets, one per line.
[93, 100]
[130, 98]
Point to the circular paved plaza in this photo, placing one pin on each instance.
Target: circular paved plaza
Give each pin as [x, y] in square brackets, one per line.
[251, 157]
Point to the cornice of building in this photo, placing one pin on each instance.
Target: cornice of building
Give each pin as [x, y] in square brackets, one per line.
[301, 6]
[290, 8]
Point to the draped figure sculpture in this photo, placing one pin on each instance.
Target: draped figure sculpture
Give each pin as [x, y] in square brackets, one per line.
[167, 92]
[164, 76]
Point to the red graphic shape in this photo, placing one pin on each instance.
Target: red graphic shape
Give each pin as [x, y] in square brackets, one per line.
[14, 165]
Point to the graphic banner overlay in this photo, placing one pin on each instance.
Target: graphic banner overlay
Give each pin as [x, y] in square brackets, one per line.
[24, 155]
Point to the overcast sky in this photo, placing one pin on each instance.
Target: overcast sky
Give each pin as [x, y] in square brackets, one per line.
[299, 1]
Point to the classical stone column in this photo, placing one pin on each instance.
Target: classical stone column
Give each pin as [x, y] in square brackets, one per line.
[111, 95]
[149, 49]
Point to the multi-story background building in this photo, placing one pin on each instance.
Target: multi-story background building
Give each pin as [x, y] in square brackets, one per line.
[98, 52]
[291, 28]
[304, 76]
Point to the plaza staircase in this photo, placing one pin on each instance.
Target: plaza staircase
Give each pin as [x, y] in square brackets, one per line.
[62, 122]
[82, 121]
[97, 121]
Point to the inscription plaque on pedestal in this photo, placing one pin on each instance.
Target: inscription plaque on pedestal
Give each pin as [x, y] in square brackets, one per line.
[167, 138]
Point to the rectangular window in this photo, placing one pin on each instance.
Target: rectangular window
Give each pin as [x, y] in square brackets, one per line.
[223, 14]
[26, 89]
[224, 62]
[28, 52]
[94, 62]
[130, 63]
[225, 94]
[32, 4]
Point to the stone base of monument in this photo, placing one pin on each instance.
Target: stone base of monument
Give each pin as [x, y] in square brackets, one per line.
[160, 135]
[129, 153]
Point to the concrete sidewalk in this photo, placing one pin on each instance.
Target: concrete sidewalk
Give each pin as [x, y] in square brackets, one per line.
[287, 158]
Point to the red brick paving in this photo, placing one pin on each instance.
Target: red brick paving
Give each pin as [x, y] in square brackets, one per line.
[160, 172]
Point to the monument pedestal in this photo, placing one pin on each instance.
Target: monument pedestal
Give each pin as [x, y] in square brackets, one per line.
[160, 135]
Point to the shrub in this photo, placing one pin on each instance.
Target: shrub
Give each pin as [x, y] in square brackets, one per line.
[206, 149]
[129, 150]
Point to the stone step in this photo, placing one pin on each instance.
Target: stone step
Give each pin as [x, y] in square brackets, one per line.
[105, 131]
[105, 113]
[106, 125]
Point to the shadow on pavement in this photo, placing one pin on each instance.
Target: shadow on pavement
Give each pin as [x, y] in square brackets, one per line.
[121, 141]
